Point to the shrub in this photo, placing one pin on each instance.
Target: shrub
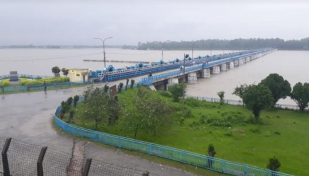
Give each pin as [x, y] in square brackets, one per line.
[256, 130]
[120, 87]
[5, 82]
[132, 83]
[195, 103]
[211, 150]
[41, 81]
[273, 164]
[277, 132]
[165, 93]
[177, 90]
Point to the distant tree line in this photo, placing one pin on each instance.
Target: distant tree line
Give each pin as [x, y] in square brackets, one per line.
[236, 44]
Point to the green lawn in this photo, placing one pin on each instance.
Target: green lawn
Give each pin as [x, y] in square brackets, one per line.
[283, 134]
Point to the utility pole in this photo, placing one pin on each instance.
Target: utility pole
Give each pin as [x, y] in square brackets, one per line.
[183, 84]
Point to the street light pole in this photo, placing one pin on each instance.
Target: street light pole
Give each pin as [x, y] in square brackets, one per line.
[192, 49]
[183, 84]
[103, 41]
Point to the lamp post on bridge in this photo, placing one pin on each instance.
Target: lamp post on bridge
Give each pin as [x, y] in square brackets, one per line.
[104, 58]
[163, 50]
[184, 80]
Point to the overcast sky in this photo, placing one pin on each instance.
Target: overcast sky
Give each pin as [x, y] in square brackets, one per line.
[65, 22]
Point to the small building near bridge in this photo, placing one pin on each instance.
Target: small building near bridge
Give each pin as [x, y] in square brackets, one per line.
[79, 75]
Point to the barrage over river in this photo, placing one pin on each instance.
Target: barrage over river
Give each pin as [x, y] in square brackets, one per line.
[292, 65]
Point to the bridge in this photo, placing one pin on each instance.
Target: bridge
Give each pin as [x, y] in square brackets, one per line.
[112, 74]
[190, 73]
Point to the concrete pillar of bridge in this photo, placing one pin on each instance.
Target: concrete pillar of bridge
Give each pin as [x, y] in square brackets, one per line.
[236, 63]
[247, 59]
[240, 61]
[223, 67]
[192, 78]
[206, 73]
[216, 70]
[231, 65]
[171, 81]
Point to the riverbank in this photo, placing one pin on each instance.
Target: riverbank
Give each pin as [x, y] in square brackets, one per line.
[230, 130]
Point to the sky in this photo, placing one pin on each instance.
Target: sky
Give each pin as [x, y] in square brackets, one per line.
[77, 22]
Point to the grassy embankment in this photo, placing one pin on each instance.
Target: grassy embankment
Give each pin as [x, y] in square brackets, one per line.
[282, 133]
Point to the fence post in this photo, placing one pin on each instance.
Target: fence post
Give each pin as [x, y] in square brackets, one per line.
[40, 161]
[146, 174]
[184, 157]
[5, 161]
[223, 167]
[119, 142]
[87, 167]
[150, 149]
[245, 170]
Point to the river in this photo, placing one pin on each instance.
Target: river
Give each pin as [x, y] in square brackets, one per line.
[292, 65]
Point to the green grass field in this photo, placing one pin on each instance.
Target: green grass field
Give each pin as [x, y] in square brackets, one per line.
[282, 133]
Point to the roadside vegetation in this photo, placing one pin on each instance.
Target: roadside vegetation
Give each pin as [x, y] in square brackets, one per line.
[256, 134]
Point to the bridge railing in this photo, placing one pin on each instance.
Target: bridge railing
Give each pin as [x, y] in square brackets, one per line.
[149, 80]
[169, 66]
[183, 156]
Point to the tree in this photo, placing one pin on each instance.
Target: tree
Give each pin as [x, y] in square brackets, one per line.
[64, 108]
[120, 87]
[221, 96]
[177, 90]
[148, 114]
[65, 71]
[56, 69]
[127, 84]
[69, 101]
[211, 150]
[106, 88]
[4, 83]
[75, 100]
[300, 95]
[71, 116]
[240, 91]
[132, 83]
[273, 164]
[257, 98]
[279, 87]
[95, 105]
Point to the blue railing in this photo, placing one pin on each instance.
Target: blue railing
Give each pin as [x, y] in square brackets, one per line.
[116, 75]
[186, 157]
[20, 88]
[149, 80]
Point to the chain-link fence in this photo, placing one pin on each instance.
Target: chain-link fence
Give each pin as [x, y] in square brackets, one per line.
[24, 159]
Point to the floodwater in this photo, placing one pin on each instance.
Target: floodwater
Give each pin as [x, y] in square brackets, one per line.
[292, 65]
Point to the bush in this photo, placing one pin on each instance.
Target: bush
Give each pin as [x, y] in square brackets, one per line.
[177, 90]
[256, 130]
[277, 132]
[195, 103]
[273, 164]
[132, 83]
[5, 82]
[24, 81]
[165, 93]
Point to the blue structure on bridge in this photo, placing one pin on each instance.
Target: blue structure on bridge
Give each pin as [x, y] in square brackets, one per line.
[112, 74]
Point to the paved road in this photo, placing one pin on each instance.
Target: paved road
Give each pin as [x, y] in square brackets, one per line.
[28, 116]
